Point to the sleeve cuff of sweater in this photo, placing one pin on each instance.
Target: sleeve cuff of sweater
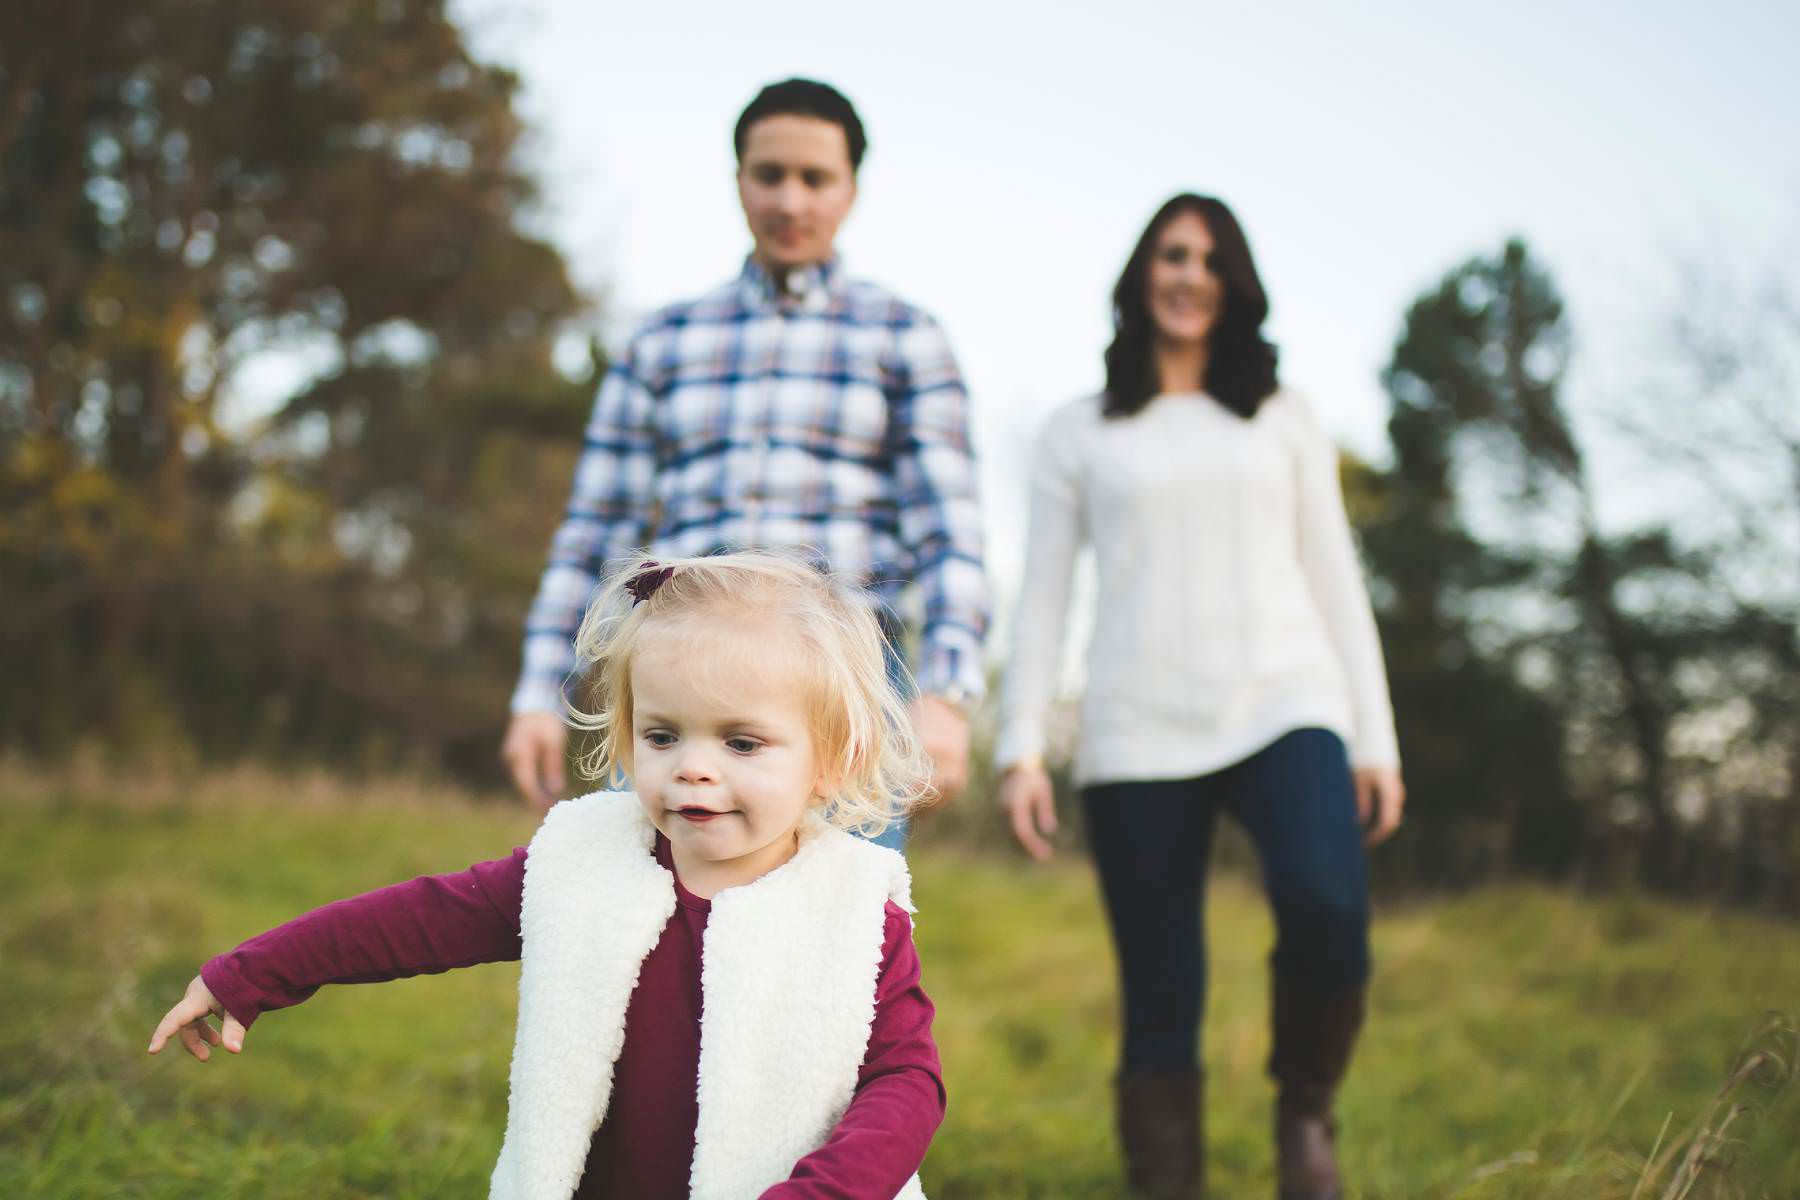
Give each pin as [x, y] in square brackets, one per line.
[234, 993]
[1375, 752]
[1018, 745]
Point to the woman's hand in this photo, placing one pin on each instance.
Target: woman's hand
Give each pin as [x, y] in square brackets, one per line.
[187, 1020]
[1380, 802]
[1030, 803]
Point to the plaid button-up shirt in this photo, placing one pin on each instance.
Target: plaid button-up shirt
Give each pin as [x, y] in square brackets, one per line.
[830, 420]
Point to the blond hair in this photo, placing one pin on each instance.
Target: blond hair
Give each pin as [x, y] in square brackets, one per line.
[863, 738]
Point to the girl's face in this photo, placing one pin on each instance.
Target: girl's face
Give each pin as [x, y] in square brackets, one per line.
[1186, 297]
[722, 750]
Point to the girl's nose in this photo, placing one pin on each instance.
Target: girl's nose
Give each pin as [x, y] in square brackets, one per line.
[695, 767]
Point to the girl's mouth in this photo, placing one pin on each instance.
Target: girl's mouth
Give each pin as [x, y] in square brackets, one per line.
[696, 814]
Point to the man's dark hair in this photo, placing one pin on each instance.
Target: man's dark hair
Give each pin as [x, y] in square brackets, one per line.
[804, 98]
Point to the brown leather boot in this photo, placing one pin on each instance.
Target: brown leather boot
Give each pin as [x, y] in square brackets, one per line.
[1315, 1031]
[1160, 1118]
[1306, 1150]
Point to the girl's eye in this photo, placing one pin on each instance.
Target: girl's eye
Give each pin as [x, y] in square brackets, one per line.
[740, 745]
[660, 738]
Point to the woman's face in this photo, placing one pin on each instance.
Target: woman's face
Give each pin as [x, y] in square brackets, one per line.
[1186, 297]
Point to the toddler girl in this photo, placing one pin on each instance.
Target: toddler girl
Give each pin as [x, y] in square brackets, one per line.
[719, 994]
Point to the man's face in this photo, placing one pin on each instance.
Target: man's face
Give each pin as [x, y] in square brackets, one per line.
[796, 186]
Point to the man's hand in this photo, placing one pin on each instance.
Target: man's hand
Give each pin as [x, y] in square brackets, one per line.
[944, 734]
[1380, 802]
[1030, 804]
[187, 1020]
[535, 748]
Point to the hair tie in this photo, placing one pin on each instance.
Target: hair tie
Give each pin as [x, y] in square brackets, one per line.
[643, 585]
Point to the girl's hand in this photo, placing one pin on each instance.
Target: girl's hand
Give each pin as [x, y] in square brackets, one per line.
[188, 1021]
[1380, 802]
[1030, 803]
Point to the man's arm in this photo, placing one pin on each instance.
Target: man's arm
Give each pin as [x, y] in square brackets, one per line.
[607, 516]
[940, 527]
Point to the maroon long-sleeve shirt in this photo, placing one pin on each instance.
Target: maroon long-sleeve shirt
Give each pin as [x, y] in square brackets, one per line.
[645, 1144]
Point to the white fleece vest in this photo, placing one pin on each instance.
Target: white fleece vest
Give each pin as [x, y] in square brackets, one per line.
[787, 979]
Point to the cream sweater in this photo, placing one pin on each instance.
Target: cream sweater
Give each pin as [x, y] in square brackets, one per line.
[1231, 606]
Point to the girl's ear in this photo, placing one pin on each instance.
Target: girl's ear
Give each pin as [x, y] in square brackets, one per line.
[830, 781]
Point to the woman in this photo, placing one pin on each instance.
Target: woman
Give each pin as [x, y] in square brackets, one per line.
[1234, 665]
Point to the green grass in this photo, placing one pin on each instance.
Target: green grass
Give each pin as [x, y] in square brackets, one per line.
[1522, 1043]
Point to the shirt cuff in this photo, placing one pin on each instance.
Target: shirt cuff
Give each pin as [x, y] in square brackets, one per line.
[949, 667]
[538, 695]
[234, 993]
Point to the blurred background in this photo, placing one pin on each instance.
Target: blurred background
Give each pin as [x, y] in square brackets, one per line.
[303, 306]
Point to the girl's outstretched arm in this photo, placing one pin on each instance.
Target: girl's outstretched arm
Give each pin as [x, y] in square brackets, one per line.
[187, 1020]
[424, 926]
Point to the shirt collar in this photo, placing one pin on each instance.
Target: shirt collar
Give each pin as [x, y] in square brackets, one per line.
[810, 288]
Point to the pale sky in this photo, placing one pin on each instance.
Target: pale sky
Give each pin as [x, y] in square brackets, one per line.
[1016, 151]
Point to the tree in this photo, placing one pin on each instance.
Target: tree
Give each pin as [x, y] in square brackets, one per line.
[1484, 751]
[199, 195]
[1497, 545]
[1717, 424]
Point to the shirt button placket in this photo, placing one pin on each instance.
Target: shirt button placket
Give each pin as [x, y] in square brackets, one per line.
[756, 493]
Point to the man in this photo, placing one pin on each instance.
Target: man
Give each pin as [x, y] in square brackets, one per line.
[791, 407]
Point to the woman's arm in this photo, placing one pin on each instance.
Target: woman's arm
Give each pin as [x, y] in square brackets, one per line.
[882, 1137]
[1040, 623]
[1334, 576]
[1041, 617]
[424, 926]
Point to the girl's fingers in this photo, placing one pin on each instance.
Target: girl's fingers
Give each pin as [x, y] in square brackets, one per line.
[187, 1022]
[172, 1022]
[196, 1046]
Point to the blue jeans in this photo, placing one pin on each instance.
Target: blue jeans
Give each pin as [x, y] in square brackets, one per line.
[894, 836]
[1150, 843]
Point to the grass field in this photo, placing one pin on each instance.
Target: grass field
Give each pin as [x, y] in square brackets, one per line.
[1523, 1042]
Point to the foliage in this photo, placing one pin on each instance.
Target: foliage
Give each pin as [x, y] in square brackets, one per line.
[1550, 669]
[281, 438]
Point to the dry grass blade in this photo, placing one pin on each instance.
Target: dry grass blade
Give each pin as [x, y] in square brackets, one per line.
[1768, 1062]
